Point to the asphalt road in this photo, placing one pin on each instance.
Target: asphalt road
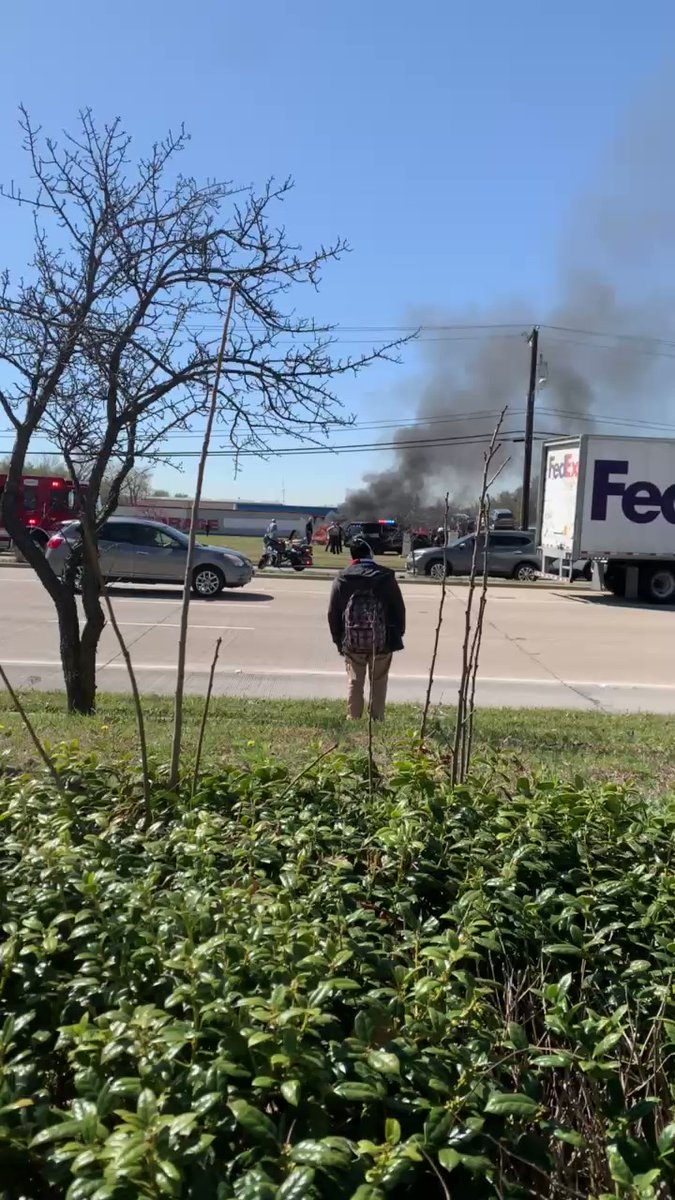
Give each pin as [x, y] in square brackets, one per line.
[541, 648]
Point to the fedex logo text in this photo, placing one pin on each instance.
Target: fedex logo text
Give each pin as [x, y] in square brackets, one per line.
[565, 468]
[641, 502]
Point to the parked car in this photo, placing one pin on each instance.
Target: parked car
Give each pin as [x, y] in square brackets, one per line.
[134, 550]
[503, 518]
[383, 537]
[510, 554]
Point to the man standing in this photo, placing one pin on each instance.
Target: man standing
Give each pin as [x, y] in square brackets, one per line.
[271, 540]
[309, 530]
[366, 617]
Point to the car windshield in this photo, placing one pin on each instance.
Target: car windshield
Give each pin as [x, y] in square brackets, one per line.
[176, 533]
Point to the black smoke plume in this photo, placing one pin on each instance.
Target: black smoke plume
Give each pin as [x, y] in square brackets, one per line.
[615, 281]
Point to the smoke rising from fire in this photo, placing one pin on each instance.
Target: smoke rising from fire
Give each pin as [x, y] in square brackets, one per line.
[617, 267]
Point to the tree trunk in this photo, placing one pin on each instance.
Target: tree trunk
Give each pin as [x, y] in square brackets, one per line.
[93, 611]
[79, 696]
[91, 635]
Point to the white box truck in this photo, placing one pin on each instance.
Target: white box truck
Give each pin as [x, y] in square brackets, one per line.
[611, 501]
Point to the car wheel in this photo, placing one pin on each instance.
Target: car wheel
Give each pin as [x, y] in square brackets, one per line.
[208, 581]
[438, 569]
[525, 572]
[659, 585]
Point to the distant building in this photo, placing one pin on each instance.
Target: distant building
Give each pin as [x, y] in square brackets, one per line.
[233, 517]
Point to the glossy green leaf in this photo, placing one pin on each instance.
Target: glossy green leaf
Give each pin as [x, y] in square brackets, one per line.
[511, 1104]
[356, 1091]
[618, 1168]
[297, 1185]
[381, 1060]
[449, 1158]
[322, 1153]
[255, 1123]
[291, 1090]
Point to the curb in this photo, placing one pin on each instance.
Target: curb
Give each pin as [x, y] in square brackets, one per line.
[454, 581]
[538, 585]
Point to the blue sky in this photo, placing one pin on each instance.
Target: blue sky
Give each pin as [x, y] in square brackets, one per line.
[448, 142]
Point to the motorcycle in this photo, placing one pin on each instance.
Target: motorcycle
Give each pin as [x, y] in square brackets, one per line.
[277, 553]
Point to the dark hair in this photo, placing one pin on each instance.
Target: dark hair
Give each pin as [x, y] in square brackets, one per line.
[360, 549]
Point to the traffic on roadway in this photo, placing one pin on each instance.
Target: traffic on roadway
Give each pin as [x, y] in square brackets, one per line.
[545, 647]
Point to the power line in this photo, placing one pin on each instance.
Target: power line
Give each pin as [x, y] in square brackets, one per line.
[624, 337]
[403, 423]
[482, 438]
[486, 327]
[604, 419]
[423, 422]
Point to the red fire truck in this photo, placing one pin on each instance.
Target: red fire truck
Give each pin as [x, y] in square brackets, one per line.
[45, 501]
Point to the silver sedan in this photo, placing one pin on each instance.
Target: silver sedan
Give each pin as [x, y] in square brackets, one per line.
[135, 550]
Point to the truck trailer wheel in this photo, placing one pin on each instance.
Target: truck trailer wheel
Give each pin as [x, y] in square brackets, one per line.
[615, 580]
[657, 584]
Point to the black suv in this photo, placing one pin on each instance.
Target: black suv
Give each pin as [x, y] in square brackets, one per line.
[383, 537]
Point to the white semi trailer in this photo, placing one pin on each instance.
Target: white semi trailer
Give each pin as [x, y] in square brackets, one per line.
[611, 501]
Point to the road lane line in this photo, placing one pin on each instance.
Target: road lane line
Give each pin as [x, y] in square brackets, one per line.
[170, 625]
[204, 668]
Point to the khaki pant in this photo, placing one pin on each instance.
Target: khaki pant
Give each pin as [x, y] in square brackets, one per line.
[358, 665]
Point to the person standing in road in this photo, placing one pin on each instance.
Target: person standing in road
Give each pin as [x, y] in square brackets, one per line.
[340, 538]
[366, 617]
[309, 530]
[333, 536]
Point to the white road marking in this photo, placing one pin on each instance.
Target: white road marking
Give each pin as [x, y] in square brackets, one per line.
[170, 625]
[297, 671]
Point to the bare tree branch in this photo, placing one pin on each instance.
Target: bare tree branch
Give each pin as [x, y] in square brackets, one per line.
[205, 716]
[187, 586]
[471, 641]
[439, 623]
[106, 344]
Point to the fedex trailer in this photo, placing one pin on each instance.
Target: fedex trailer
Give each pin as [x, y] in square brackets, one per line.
[611, 501]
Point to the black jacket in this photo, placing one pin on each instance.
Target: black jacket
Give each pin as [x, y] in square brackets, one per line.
[368, 576]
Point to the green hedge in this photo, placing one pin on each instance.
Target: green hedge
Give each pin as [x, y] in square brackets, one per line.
[308, 991]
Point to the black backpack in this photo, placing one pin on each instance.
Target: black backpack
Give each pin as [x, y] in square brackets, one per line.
[365, 625]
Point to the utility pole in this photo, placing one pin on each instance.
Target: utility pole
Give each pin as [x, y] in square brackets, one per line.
[533, 342]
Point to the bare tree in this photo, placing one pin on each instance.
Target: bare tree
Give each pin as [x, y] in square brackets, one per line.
[185, 606]
[108, 344]
[439, 626]
[136, 486]
[473, 630]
